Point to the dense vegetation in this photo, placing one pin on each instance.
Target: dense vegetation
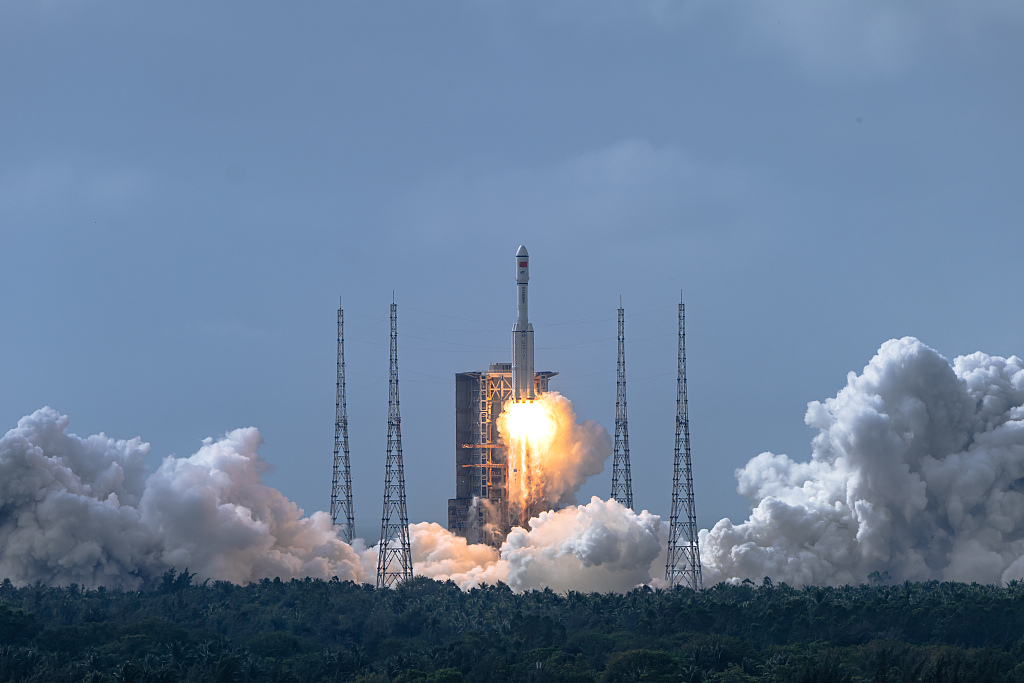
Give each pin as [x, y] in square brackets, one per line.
[428, 631]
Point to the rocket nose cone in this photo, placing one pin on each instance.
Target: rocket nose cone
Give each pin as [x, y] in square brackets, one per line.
[522, 251]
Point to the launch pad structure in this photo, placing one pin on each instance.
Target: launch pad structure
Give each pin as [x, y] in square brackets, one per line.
[480, 509]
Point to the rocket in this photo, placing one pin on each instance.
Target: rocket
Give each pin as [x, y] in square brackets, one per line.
[522, 334]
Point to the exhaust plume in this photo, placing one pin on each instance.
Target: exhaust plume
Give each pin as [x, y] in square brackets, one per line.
[550, 453]
[917, 470]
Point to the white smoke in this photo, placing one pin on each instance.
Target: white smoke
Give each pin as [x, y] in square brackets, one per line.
[917, 470]
[439, 554]
[69, 506]
[214, 514]
[84, 511]
[601, 546]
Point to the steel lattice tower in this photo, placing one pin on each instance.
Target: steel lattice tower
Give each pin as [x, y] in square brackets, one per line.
[394, 563]
[683, 565]
[342, 512]
[622, 482]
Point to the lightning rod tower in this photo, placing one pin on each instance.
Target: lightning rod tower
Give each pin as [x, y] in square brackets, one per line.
[622, 482]
[683, 565]
[394, 562]
[342, 513]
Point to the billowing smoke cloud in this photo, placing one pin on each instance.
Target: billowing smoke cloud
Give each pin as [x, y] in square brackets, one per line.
[601, 546]
[214, 514]
[917, 470]
[69, 506]
[84, 511]
[439, 554]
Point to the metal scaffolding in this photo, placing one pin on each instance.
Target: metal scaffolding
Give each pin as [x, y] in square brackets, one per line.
[683, 565]
[342, 513]
[489, 510]
[394, 562]
[622, 482]
[480, 510]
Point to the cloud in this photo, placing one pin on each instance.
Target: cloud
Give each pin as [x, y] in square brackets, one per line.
[824, 40]
[86, 511]
[83, 510]
[870, 38]
[601, 546]
[917, 470]
[41, 186]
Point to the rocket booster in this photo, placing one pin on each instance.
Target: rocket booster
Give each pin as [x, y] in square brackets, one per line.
[522, 334]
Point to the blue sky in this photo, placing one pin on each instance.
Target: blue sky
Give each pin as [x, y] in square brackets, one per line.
[187, 188]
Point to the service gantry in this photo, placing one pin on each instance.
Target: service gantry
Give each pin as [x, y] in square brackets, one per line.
[479, 512]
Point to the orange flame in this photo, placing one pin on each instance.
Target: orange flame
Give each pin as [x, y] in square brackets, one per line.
[529, 429]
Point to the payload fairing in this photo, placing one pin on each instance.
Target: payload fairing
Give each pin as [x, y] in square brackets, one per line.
[522, 335]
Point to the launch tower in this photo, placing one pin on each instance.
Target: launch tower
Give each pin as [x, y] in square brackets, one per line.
[480, 509]
[683, 565]
[342, 513]
[622, 481]
[394, 561]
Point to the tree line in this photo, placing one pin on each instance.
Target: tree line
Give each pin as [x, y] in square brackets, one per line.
[428, 631]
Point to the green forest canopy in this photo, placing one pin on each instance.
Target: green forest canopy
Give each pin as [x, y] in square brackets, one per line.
[313, 630]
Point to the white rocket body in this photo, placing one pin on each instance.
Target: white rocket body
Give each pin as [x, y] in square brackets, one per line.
[522, 335]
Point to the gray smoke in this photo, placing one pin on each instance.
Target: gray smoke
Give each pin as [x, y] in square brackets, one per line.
[86, 511]
[83, 510]
[601, 546]
[917, 470]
